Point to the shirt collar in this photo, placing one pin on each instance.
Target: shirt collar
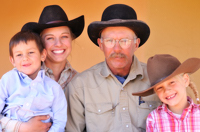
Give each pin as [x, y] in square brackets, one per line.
[192, 105]
[49, 71]
[25, 78]
[136, 69]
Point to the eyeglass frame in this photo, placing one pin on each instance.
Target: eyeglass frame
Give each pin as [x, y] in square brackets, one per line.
[119, 41]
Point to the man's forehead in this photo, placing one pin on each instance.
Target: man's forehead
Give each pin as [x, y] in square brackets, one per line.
[117, 30]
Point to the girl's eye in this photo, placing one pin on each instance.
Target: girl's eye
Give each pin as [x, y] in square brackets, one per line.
[172, 82]
[158, 89]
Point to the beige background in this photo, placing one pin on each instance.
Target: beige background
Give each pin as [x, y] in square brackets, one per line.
[174, 24]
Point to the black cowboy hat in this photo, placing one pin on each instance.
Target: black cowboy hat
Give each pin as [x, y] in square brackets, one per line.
[162, 67]
[119, 15]
[55, 16]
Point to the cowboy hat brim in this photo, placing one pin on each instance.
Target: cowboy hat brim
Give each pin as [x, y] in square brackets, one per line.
[140, 28]
[189, 66]
[76, 25]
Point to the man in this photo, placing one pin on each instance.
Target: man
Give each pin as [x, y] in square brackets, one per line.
[100, 98]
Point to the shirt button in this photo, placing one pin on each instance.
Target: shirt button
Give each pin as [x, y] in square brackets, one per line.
[124, 108]
[150, 105]
[27, 104]
[127, 126]
[99, 110]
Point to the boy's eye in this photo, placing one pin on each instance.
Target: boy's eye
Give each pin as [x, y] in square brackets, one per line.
[19, 55]
[31, 52]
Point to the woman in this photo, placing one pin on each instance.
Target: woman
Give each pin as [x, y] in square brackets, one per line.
[57, 34]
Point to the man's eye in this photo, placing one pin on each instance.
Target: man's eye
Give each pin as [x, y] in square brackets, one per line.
[109, 40]
[19, 55]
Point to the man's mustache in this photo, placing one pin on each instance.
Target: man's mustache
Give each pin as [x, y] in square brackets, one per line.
[119, 55]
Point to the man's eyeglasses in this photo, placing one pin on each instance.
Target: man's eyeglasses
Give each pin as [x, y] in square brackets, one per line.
[124, 43]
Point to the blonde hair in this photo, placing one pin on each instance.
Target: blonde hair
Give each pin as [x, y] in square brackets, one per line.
[194, 89]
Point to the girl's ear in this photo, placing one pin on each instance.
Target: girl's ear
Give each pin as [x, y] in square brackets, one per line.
[12, 60]
[186, 79]
[43, 55]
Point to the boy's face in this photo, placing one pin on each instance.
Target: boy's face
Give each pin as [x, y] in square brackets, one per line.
[173, 91]
[27, 58]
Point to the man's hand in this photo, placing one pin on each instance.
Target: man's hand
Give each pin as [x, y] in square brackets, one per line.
[35, 125]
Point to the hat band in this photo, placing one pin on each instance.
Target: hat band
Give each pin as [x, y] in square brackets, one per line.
[58, 21]
[157, 81]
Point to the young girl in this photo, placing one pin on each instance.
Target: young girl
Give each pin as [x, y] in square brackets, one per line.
[169, 80]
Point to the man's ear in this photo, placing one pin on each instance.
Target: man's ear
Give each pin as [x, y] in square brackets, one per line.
[136, 44]
[43, 55]
[12, 60]
[100, 44]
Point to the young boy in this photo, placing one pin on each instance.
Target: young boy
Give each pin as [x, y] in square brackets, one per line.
[26, 91]
[169, 79]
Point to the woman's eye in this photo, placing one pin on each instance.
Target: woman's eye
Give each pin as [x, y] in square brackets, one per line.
[65, 37]
[50, 38]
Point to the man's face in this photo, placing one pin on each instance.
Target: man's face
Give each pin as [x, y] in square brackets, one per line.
[118, 58]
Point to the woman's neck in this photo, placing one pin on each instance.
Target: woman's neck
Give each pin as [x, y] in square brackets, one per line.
[57, 68]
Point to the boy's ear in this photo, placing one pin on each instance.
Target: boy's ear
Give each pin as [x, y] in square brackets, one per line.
[12, 60]
[186, 79]
[43, 55]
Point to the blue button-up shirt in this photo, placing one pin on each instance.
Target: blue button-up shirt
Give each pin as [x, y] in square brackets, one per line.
[25, 98]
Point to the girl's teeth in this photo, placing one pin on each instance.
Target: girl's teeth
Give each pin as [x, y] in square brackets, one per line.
[171, 96]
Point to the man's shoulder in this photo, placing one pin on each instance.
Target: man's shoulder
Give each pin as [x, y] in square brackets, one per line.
[91, 71]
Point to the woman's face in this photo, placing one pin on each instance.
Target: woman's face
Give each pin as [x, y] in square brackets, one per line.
[58, 43]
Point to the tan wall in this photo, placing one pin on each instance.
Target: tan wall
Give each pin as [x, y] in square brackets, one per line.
[174, 25]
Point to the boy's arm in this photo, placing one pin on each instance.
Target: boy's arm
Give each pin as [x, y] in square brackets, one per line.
[59, 109]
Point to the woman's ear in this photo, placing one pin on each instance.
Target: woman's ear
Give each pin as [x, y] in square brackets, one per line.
[43, 55]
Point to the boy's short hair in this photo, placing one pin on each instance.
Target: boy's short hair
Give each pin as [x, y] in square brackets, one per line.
[25, 36]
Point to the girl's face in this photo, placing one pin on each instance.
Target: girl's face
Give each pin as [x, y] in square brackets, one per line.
[173, 91]
[58, 43]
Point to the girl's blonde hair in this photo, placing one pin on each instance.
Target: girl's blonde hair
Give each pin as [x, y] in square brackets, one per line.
[194, 89]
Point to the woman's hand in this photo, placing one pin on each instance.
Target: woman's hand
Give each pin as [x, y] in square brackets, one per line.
[35, 125]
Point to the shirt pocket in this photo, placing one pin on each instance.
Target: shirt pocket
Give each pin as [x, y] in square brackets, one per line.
[99, 117]
[43, 102]
[147, 105]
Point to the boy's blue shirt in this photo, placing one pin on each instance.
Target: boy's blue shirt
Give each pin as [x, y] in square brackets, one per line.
[25, 98]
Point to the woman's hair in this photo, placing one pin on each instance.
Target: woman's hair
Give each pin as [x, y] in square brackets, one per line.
[25, 36]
